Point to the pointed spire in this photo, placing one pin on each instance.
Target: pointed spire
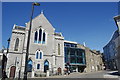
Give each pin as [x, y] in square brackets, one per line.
[14, 26]
[84, 44]
[41, 11]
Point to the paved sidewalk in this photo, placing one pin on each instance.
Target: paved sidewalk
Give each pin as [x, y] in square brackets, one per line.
[100, 74]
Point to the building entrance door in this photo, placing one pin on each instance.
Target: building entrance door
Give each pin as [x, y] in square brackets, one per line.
[29, 66]
[46, 66]
[81, 68]
[59, 71]
[12, 72]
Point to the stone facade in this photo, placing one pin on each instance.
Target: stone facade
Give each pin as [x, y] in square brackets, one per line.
[94, 61]
[117, 41]
[110, 53]
[47, 49]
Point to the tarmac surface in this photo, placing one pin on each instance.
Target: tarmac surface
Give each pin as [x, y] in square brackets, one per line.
[101, 75]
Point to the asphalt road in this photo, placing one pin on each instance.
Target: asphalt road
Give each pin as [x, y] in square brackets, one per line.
[101, 75]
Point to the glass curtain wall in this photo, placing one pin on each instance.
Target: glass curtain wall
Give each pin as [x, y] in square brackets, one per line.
[74, 56]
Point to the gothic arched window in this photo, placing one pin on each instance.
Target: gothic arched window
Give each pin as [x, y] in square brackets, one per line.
[35, 37]
[38, 66]
[37, 54]
[40, 36]
[40, 55]
[16, 45]
[44, 37]
[58, 49]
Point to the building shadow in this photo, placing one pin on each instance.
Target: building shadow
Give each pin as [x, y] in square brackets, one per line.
[114, 73]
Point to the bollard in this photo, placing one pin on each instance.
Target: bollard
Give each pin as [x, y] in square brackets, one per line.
[32, 74]
[47, 74]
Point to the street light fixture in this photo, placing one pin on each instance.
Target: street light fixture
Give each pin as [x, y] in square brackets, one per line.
[28, 41]
[8, 45]
[8, 40]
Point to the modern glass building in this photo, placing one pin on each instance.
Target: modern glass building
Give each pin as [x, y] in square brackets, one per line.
[74, 57]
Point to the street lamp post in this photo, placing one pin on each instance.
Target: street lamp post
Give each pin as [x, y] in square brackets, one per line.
[28, 41]
[4, 60]
[6, 54]
[7, 50]
[8, 46]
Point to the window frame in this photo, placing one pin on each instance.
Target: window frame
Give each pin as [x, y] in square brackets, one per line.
[38, 66]
[16, 47]
[59, 47]
[39, 57]
[43, 39]
[36, 41]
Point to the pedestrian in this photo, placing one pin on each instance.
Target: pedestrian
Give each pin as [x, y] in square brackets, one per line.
[68, 72]
[65, 71]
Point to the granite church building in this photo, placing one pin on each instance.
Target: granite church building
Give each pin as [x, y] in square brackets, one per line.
[46, 51]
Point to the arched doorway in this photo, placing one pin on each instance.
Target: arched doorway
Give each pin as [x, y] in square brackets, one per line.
[12, 72]
[29, 66]
[46, 66]
[59, 71]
